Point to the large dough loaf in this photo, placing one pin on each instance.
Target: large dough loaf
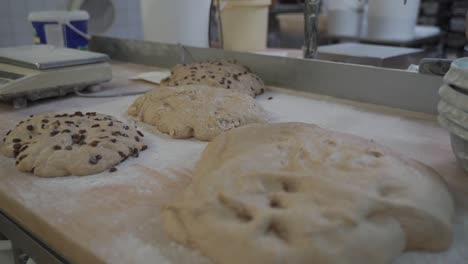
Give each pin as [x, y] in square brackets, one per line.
[296, 193]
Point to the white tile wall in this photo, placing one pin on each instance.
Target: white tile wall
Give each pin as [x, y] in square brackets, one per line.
[15, 29]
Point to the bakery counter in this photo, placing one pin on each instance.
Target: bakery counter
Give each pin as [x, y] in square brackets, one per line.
[115, 217]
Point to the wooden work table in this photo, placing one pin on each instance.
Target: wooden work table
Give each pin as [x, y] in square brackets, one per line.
[115, 217]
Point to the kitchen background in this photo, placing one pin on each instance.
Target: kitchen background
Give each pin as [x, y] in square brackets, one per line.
[15, 29]
[448, 15]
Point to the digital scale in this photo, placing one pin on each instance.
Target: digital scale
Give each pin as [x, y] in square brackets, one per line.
[41, 71]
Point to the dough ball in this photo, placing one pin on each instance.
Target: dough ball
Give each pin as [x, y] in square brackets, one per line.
[52, 145]
[198, 111]
[296, 193]
[223, 74]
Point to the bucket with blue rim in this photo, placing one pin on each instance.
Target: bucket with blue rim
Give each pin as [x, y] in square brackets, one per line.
[61, 28]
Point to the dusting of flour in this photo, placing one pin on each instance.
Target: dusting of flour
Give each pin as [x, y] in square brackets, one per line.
[117, 215]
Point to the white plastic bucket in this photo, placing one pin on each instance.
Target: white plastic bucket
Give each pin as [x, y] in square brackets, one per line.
[392, 19]
[176, 21]
[61, 28]
[344, 17]
[245, 24]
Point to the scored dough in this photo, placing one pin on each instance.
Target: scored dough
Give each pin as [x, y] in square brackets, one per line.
[52, 145]
[295, 193]
[223, 74]
[198, 111]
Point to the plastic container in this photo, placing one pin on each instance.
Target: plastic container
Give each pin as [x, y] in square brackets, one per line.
[392, 19]
[245, 24]
[176, 21]
[61, 28]
[344, 17]
[291, 23]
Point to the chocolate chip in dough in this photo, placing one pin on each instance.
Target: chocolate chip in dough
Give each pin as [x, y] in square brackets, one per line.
[53, 133]
[113, 169]
[30, 127]
[16, 140]
[17, 146]
[68, 148]
[139, 133]
[135, 153]
[57, 147]
[23, 148]
[137, 139]
[45, 121]
[96, 125]
[93, 160]
[144, 147]
[94, 143]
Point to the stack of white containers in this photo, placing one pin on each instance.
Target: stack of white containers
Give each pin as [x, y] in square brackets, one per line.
[453, 108]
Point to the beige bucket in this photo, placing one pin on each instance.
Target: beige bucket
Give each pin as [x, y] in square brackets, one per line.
[245, 24]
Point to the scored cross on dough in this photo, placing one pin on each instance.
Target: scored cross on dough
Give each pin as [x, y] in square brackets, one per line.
[51, 145]
[295, 193]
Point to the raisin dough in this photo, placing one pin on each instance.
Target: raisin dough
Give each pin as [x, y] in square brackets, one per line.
[295, 193]
[223, 74]
[198, 111]
[52, 145]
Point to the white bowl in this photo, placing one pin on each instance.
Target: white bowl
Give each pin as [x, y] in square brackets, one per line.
[458, 140]
[453, 114]
[454, 97]
[458, 74]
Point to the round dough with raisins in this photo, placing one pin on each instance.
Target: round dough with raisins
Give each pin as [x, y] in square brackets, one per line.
[52, 145]
[223, 74]
[295, 193]
[198, 111]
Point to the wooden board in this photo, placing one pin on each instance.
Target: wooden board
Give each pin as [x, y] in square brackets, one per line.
[115, 217]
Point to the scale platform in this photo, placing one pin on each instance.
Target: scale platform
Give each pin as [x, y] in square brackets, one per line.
[42, 71]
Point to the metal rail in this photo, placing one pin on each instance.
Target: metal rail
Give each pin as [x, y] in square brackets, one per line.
[24, 241]
[382, 86]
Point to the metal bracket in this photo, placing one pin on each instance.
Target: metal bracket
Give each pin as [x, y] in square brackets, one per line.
[23, 241]
[382, 86]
